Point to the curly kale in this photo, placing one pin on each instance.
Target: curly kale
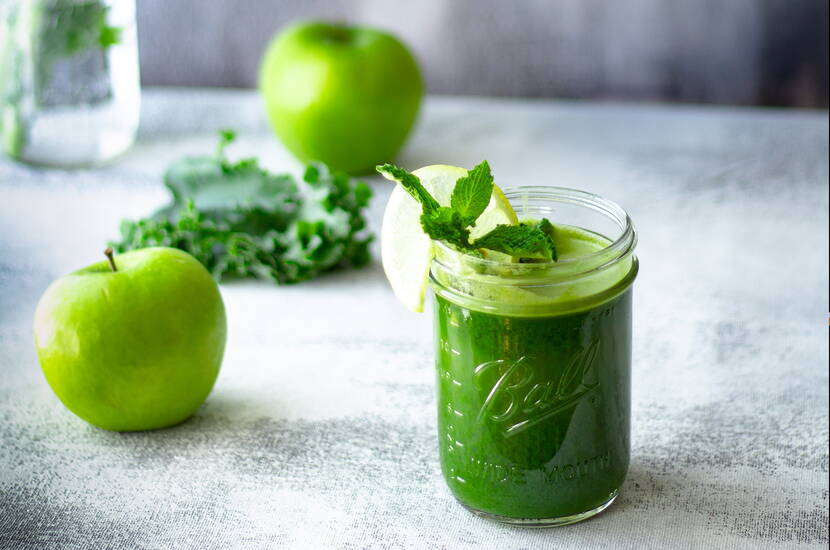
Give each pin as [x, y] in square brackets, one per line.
[239, 220]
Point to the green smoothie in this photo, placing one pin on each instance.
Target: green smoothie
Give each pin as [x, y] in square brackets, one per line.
[533, 373]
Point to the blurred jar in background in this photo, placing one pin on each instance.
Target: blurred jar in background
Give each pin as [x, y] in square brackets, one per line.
[69, 85]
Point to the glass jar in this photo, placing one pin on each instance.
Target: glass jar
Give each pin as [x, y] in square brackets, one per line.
[69, 84]
[533, 366]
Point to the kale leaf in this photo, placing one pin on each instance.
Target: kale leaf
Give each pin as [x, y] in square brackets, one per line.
[239, 220]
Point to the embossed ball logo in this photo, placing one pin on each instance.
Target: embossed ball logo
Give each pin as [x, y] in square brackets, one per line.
[525, 395]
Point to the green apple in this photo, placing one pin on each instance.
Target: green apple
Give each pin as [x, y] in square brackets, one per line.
[344, 95]
[134, 343]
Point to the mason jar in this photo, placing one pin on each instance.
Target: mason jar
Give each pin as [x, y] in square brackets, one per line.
[69, 82]
[534, 366]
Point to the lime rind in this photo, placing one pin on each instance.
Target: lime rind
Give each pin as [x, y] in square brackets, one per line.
[406, 251]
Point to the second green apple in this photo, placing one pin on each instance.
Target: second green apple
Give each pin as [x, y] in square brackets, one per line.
[344, 95]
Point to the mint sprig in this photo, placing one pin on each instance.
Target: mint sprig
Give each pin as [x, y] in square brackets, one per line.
[469, 199]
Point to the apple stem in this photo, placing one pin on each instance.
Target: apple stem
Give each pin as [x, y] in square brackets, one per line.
[108, 254]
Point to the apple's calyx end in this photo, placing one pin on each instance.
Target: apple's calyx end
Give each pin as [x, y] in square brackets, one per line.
[108, 254]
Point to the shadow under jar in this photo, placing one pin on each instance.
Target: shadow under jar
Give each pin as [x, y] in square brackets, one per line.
[534, 366]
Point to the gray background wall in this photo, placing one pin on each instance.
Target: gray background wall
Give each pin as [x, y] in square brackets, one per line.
[767, 52]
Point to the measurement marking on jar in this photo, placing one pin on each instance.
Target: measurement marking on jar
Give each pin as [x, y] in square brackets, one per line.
[453, 410]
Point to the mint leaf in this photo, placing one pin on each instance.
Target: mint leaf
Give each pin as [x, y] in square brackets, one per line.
[471, 194]
[445, 224]
[411, 183]
[523, 241]
[441, 223]
[547, 228]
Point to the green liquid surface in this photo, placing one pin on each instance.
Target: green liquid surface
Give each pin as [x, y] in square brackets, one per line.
[533, 410]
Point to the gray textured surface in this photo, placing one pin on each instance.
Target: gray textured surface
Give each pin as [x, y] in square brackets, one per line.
[321, 431]
[720, 51]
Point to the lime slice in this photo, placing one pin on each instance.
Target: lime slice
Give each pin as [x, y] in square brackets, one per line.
[406, 251]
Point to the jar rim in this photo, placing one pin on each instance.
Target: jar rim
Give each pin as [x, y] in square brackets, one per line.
[622, 247]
